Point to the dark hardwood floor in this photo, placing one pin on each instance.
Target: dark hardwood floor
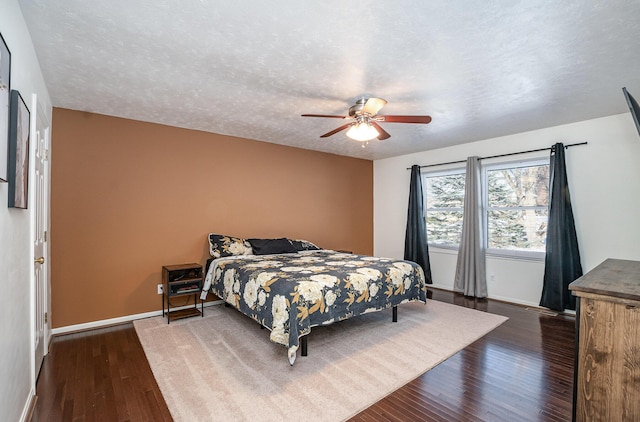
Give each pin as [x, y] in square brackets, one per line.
[521, 371]
[98, 375]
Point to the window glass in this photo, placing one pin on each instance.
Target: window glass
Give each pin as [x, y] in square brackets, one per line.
[444, 200]
[517, 206]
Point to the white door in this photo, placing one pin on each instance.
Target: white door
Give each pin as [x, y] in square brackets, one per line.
[41, 133]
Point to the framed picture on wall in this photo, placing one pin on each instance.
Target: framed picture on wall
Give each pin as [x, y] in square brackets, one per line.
[18, 152]
[5, 87]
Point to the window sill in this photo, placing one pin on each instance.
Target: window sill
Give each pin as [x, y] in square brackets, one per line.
[493, 253]
[444, 249]
[515, 255]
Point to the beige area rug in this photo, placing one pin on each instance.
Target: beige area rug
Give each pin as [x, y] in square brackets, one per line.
[224, 368]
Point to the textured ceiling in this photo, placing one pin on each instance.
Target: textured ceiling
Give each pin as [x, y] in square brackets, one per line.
[250, 68]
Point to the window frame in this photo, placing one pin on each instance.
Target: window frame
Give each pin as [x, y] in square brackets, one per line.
[501, 165]
[486, 167]
[439, 173]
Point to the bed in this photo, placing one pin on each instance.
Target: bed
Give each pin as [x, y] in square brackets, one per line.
[290, 286]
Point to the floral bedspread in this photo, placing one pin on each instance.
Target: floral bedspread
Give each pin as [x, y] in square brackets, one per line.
[290, 293]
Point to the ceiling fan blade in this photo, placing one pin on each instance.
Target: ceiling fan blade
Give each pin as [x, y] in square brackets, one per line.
[404, 119]
[383, 133]
[324, 115]
[373, 106]
[334, 131]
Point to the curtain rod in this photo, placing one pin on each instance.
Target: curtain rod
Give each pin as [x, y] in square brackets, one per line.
[501, 155]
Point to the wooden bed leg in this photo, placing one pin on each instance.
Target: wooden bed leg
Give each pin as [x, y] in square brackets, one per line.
[303, 345]
[394, 318]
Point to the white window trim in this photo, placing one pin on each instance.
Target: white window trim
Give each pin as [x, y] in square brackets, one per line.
[439, 173]
[512, 254]
[509, 253]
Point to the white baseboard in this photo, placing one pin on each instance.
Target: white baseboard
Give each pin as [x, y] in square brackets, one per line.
[114, 321]
[516, 301]
[27, 411]
[505, 299]
[500, 298]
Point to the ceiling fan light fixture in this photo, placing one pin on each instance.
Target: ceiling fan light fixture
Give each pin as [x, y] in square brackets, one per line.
[366, 127]
[362, 131]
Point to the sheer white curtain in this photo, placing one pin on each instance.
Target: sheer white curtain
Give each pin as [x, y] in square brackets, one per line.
[471, 278]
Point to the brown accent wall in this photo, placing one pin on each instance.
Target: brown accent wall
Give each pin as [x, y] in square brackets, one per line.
[128, 197]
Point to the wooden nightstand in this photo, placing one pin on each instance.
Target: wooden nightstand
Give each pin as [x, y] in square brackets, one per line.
[182, 280]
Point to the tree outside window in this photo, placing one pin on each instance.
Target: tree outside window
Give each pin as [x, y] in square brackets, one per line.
[517, 206]
[444, 202]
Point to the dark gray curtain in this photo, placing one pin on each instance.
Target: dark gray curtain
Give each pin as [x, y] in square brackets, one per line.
[415, 240]
[562, 259]
[471, 277]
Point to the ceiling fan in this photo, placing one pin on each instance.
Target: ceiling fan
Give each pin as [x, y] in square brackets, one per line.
[365, 126]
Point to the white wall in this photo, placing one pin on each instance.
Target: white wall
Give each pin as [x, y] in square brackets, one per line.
[16, 255]
[604, 182]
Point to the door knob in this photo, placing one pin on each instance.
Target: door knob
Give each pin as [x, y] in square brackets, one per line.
[39, 260]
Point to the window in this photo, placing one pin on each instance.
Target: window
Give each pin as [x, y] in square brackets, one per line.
[444, 199]
[517, 200]
[515, 206]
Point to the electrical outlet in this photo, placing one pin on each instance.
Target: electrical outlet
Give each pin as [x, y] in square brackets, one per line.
[159, 289]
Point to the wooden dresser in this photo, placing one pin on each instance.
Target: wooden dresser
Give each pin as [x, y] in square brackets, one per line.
[607, 370]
